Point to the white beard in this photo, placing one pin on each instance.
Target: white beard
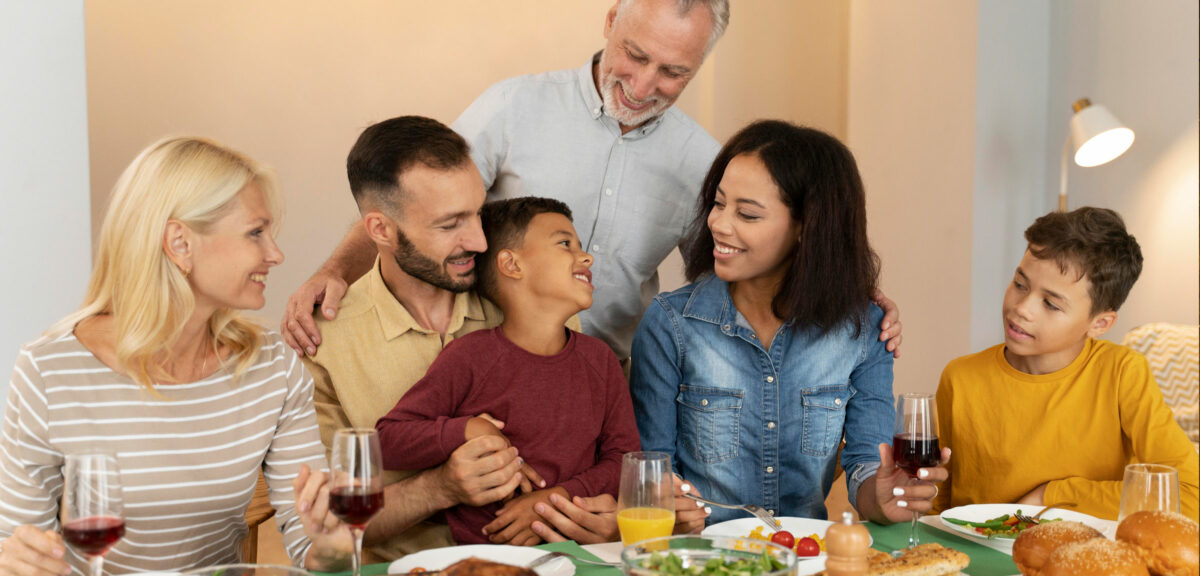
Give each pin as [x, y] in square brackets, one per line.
[613, 107]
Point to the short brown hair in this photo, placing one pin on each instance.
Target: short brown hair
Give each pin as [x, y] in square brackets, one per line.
[388, 149]
[1094, 241]
[504, 224]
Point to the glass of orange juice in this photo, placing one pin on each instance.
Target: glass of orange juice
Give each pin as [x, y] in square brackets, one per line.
[646, 502]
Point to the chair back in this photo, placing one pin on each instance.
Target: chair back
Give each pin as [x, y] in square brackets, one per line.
[1173, 351]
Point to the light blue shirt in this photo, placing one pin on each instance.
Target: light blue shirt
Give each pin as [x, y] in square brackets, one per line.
[631, 196]
[747, 425]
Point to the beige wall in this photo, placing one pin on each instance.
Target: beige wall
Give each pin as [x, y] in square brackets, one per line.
[293, 82]
[911, 126]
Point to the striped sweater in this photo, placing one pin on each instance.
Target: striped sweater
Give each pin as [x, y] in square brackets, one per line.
[189, 460]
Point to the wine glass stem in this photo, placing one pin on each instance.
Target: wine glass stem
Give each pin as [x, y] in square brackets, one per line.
[913, 538]
[358, 537]
[97, 565]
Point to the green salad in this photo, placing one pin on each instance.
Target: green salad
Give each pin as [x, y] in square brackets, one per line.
[720, 566]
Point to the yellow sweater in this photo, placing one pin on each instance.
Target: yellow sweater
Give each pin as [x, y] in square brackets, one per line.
[1076, 429]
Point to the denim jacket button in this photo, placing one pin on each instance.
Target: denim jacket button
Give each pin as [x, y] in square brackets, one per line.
[770, 425]
[771, 470]
[725, 327]
[837, 401]
[704, 402]
[770, 378]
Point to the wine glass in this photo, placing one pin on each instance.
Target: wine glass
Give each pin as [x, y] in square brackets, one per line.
[357, 488]
[646, 501]
[92, 506]
[1149, 487]
[915, 444]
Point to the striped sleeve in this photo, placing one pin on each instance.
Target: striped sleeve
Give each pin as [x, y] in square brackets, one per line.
[297, 441]
[30, 468]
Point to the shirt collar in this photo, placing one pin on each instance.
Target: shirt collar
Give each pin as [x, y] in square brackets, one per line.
[710, 301]
[595, 103]
[394, 318]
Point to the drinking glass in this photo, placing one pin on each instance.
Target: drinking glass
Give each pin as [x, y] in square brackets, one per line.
[92, 506]
[915, 444]
[1149, 487]
[356, 492]
[646, 501]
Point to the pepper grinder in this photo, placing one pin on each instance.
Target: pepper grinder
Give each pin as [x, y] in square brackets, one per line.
[846, 545]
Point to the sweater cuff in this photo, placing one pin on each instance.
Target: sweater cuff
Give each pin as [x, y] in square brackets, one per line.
[454, 434]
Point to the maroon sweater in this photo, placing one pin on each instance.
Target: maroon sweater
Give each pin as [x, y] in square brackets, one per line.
[569, 414]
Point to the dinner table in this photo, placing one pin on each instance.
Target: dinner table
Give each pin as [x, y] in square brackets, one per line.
[985, 560]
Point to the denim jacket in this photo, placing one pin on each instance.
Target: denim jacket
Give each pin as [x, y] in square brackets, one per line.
[750, 426]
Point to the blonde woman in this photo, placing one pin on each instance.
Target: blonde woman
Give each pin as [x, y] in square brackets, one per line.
[158, 368]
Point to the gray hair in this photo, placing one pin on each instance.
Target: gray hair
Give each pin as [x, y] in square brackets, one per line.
[718, 8]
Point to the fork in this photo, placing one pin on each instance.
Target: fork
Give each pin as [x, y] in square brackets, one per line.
[552, 554]
[758, 511]
[1034, 519]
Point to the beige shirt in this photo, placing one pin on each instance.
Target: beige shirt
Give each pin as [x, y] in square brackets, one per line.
[370, 355]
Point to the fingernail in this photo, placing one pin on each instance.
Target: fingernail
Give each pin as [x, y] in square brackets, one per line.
[923, 473]
[707, 510]
[686, 487]
[331, 313]
[58, 553]
[949, 451]
[542, 483]
[887, 325]
[303, 507]
[902, 504]
[521, 461]
[311, 351]
[883, 335]
[699, 504]
[554, 498]
[539, 508]
[897, 491]
[484, 530]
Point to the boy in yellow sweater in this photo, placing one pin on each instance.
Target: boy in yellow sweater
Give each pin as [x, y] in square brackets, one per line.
[1053, 415]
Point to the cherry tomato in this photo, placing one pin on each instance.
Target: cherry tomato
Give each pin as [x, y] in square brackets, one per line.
[783, 538]
[808, 547]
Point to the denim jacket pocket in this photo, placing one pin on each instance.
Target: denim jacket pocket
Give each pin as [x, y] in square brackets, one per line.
[824, 415]
[709, 420]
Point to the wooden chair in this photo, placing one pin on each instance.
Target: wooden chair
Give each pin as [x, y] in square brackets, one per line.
[257, 512]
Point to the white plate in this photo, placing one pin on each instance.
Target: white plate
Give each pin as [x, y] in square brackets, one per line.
[982, 512]
[741, 528]
[439, 558]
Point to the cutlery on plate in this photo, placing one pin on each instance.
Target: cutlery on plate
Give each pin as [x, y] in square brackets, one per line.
[551, 555]
[758, 511]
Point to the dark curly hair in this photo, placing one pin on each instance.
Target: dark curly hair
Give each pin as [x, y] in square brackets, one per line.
[833, 271]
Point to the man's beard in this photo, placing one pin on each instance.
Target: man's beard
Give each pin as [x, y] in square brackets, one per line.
[425, 269]
[613, 107]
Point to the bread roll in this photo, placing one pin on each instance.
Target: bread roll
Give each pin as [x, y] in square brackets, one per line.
[1035, 544]
[1169, 542]
[1093, 557]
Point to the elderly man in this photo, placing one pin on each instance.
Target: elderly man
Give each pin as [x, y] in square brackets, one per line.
[605, 139]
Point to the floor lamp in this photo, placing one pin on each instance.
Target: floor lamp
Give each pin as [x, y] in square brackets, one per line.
[1097, 137]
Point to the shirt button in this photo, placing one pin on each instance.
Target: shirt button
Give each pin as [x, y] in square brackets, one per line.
[596, 111]
[621, 140]
[837, 401]
[608, 191]
[770, 378]
[725, 327]
[704, 402]
[595, 247]
[771, 470]
[770, 425]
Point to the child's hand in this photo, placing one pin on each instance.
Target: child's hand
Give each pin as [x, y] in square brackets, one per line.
[485, 425]
[513, 522]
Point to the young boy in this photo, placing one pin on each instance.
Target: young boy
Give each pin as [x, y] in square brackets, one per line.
[560, 396]
[1053, 415]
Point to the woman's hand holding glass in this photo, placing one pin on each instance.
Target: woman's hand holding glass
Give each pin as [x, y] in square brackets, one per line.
[332, 542]
[33, 552]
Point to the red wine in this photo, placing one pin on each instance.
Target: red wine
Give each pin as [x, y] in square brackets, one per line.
[94, 535]
[915, 451]
[354, 505]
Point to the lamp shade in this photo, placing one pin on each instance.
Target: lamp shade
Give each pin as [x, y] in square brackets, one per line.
[1097, 135]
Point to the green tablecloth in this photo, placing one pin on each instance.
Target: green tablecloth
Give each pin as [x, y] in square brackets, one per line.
[984, 561]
